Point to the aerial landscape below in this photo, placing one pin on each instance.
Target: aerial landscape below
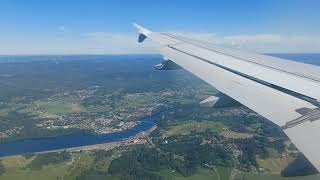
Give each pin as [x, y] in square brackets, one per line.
[159, 90]
[96, 117]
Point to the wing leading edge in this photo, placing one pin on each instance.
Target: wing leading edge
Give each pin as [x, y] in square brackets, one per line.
[285, 92]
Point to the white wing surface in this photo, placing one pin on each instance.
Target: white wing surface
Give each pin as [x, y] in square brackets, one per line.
[285, 92]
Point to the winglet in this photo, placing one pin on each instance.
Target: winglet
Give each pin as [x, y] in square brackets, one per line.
[141, 29]
[143, 32]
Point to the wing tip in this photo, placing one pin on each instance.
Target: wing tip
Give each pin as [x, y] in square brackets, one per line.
[141, 29]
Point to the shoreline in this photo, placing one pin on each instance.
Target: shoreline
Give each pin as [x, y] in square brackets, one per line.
[140, 138]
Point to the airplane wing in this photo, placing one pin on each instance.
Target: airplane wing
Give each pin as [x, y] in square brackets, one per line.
[285, 92]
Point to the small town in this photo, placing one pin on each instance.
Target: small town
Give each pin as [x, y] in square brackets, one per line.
[90, 110]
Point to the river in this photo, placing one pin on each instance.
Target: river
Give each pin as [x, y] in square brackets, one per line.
[73, 140]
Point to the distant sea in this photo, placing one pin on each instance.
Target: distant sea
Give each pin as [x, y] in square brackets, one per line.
[30, 58]
[311, 58]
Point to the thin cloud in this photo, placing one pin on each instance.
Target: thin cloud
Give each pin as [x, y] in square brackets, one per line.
[62, 28]
[264, 43]
[117, 43]
[126, 43]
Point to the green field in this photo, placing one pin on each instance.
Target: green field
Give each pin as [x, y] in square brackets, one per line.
[182, 100]
[57, 107]
[200, 174]
[4, 112]
[50, 107]
[256, 176]
[224, 172]
[50, 172]
[187, 127]
[16, 169]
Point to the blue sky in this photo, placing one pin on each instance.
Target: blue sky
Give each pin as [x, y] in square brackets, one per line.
[105, 26]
